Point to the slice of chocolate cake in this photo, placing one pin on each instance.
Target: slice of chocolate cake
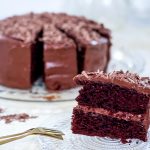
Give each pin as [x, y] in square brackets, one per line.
[19, 51]
[59, 59]
[114, 105]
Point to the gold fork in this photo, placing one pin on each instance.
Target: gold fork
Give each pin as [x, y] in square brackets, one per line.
[34, 131]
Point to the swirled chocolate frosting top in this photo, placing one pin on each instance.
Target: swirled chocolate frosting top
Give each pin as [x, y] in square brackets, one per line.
[27, 27]
[120, 78]
[24, 28]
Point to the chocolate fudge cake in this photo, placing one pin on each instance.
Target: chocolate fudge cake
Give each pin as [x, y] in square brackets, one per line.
[114, 105]
[55, 46]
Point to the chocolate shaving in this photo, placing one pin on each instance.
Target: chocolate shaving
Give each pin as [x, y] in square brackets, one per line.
[16, 117]
[123, 79]
[1, 110]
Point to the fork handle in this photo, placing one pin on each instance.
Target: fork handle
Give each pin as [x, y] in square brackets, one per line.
[10, 139]
[13, 135]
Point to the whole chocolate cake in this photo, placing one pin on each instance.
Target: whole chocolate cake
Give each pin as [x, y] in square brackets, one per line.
[114, 105]
[55, 46]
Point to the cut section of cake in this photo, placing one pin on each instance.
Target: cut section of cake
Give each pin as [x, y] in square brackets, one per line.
[114, 105]
[60, 63]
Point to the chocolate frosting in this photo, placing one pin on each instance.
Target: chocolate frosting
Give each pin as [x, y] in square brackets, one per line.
[82, 33]
[26, 28]
[119, 115]
[123, 79]
[55, 39]
[18, 75]
[20, 28]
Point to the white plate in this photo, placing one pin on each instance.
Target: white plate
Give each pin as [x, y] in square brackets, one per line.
[81, 142]
[38, 93]
[119, 60]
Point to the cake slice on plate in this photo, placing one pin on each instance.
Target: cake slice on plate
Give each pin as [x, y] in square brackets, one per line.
[114, 105]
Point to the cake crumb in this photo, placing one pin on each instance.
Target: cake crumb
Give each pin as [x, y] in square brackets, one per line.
[124, 141]
[50, 97]
[1, 110]
[130, 141]
[16, 117]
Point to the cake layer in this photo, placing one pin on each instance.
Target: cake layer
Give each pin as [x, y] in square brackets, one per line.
[113, 97]
[96, 124]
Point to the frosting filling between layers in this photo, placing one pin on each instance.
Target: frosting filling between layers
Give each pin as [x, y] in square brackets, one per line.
[119, 115]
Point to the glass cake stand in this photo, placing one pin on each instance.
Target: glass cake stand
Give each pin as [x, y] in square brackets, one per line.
[81, 142]
[120, 59]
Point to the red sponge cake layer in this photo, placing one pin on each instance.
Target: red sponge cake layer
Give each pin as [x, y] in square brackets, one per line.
[106, 124]
[113, 97]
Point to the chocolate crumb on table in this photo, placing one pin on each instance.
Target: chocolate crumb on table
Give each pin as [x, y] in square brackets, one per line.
[22, 117]
[1, 110]
[50, 97]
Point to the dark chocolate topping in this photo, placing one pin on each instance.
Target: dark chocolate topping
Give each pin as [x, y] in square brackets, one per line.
[23, 28]
[75, 22]
[16, 117]
[55, 38]
[82, 33]
[26, 27]
[123, 79]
